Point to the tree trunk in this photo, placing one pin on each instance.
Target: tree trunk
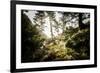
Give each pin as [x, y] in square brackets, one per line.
[80, 21]
[51, 28]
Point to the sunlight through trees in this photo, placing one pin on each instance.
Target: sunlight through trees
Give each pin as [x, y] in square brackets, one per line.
[55, 36]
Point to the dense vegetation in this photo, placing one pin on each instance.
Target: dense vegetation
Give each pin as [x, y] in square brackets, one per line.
[69, 37]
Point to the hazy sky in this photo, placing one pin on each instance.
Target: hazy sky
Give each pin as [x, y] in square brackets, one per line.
[31, 15]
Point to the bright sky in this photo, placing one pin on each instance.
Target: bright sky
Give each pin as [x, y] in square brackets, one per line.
[31, 15]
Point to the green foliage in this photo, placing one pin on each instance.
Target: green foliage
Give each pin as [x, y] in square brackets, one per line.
[72, 44]
[69, 32]
[31, 39]
[80, 42]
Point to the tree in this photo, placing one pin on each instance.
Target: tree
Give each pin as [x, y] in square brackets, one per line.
[31, 38]
[83, 16]
[80, 40]
[51, 15]
[39, 19]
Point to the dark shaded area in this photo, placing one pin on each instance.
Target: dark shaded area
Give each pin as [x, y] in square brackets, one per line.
[30, 39]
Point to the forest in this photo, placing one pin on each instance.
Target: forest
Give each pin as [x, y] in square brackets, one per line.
[54, 36]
